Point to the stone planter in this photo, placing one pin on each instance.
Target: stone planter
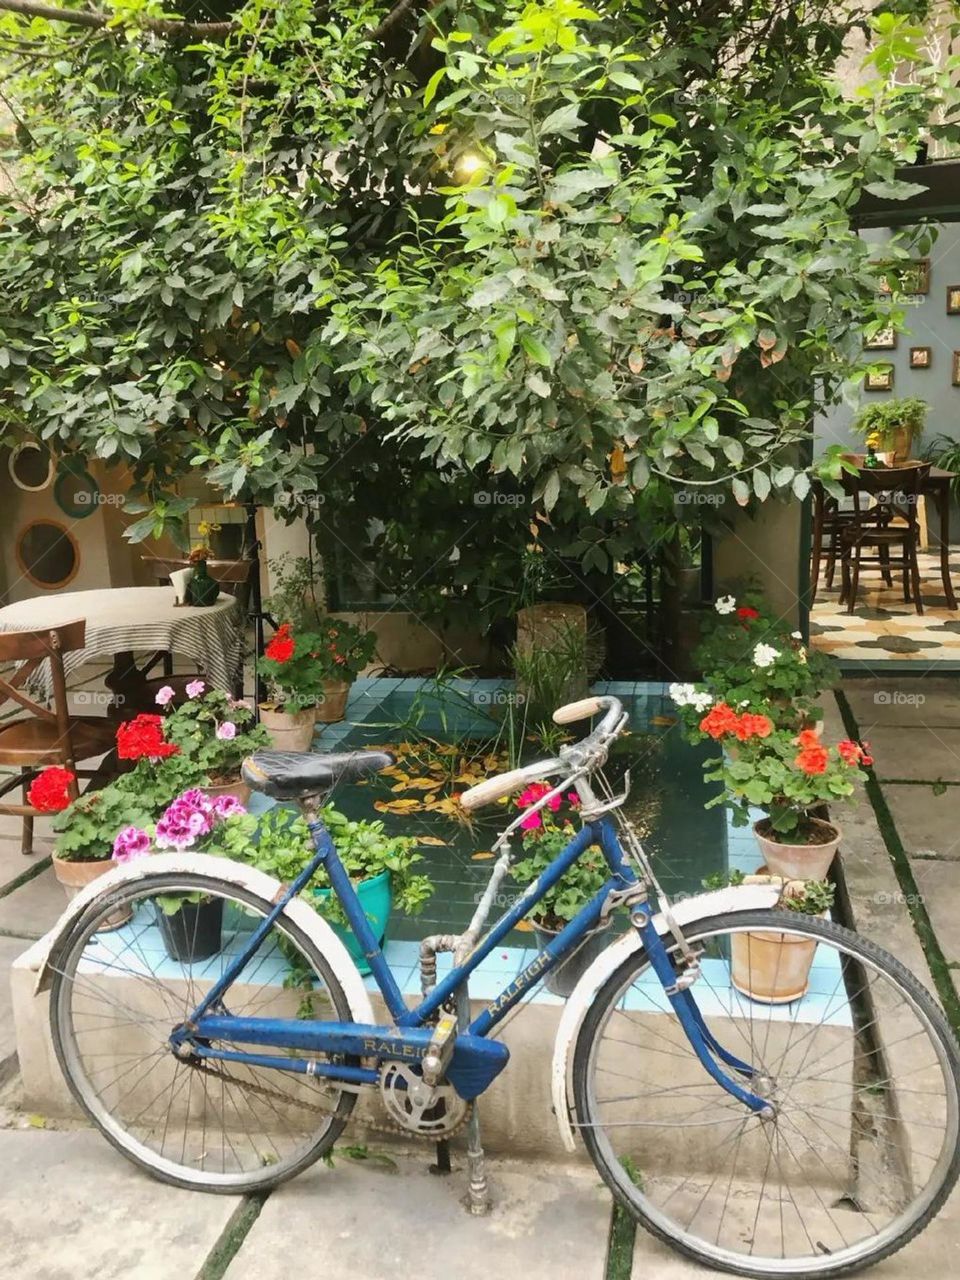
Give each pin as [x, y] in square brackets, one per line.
[289, 730]
[562, 980]
[798, 861]
[75, 876]
[333, 707]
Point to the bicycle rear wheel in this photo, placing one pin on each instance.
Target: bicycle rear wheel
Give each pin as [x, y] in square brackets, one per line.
[862, 1072]
[116, 995]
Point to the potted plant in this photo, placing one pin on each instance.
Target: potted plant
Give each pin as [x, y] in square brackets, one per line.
[545, 833]
[344, 650]
[381, 866]
[772, 967]
[788, 775]
[216, 733]
[292, 676]
[190, 924]
[752, 661]
[540, 620]
[85, 829]
[896, 423]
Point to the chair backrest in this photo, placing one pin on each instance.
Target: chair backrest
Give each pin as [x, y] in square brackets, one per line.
[894, 490]
[31, 649]
[226, 572]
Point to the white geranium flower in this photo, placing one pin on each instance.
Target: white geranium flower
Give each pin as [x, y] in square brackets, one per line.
[726, 604]
[796, 635]
[765, 655]
[687, 695]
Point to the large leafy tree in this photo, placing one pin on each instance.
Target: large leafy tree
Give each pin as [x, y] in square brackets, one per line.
[576, 255]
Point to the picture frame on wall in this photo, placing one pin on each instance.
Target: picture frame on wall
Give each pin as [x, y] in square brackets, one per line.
[953, 300]
[955, 368]
[879, 377]
[882, 340]
[911, 277]
[921, 357]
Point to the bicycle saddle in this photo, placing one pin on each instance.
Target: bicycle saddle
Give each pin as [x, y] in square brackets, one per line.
[291, 775]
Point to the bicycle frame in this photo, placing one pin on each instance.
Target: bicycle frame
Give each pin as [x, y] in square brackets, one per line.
[475, 1061]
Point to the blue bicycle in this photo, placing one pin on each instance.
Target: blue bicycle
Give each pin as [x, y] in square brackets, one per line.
[806, 1133]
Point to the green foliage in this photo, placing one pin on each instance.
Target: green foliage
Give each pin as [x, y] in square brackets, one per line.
[541, 845]
[193, 728]
[279, 843]
[943, 451]
[887, 418]
[571, 256]
[86, 830]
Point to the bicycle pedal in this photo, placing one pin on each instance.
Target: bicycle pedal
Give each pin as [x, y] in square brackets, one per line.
[440, 1049]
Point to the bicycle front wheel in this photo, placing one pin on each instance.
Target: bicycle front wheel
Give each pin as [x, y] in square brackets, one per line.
[118, 993]
[861, 1071]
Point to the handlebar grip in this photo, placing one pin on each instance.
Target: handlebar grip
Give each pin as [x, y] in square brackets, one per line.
[493, 788]
[581, 710]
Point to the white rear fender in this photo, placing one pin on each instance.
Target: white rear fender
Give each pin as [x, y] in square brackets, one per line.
[686, 913]
[234, 873]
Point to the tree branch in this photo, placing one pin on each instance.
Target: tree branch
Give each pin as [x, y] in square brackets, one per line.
[85, 18]
[392, 18]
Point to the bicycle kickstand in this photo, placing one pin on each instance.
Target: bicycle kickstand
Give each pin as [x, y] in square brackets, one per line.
[477, 1199]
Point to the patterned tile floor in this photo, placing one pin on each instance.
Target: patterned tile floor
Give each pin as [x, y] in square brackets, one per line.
[884, 627]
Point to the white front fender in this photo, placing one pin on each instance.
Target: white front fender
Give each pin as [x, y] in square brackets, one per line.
[234, 873]
[685, 913]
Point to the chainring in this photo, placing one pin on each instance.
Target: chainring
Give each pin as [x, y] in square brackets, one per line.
[435, 1111]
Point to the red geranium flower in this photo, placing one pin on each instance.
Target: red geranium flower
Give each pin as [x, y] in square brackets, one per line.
[813, 760]
[143, 737]
[808, 738]
[853, 752]
[719, 720]
[50, 790]
[747, 614]
[753, 726]
[281, 647]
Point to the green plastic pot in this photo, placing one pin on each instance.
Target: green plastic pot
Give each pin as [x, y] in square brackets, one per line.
[376, 898]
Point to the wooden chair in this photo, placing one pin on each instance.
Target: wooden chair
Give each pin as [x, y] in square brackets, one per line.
[44, 736]
[896, 492]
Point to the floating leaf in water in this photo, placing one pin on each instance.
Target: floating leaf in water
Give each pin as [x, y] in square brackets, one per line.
[524, 926]
[416, 784]
[432, 840]
[481, 857]
[663, 720]
[397, 806]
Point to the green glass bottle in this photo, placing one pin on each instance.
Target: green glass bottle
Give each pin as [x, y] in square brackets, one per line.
[202, 590]
[871, 460]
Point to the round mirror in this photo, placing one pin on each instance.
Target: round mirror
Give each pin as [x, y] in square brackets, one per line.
[31, 466]
[77, 494]
[48, 554]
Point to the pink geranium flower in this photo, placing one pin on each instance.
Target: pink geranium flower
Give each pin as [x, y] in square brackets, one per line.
[227, 731]
[130, 843]
[164, 695]
[195, 688]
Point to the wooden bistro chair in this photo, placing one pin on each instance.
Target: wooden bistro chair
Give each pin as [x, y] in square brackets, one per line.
[892, 524]
[44, 735]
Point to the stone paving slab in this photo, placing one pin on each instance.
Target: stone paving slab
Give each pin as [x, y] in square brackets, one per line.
[13, 863]
[33, 908]
[939, 886]
[10, 948]
[71, 1208]
[904, 701]
[359, 1220]
[914, 752]
[927, 823]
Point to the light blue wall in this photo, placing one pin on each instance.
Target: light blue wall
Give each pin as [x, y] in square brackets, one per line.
[930, 326]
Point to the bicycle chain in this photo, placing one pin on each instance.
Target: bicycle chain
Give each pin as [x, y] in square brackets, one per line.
[379, 1126]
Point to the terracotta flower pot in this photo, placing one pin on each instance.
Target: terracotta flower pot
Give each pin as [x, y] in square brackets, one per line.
[333, 707]
[237, 788]
[798, 861]
[769, 967]
[289, 730]
[75, 876]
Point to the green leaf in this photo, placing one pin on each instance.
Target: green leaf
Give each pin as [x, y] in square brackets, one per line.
[433, 84]
[564, 120]
[571, 183]
[535, 349]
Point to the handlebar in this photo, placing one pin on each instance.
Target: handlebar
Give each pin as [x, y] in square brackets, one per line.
[506, 784]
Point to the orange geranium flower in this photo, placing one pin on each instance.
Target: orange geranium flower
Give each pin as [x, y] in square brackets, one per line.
[813, 759]
[719, 721]
[754, 726]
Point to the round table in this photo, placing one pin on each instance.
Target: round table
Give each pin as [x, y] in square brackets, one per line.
[121, 620]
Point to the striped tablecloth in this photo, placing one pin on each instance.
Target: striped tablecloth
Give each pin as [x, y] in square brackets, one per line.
[144, 619]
